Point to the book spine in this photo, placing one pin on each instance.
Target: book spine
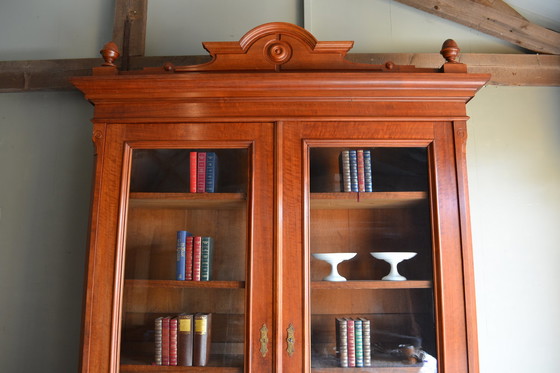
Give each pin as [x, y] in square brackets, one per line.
[366, 332]
[181, 252]
[202, 338]
[206, 258]
[197, 257]
[342, 342]
[189, 258]
[165, 341]
[351, 343]
[367, 171]
[345, 160]
[360, 162]
[353, 171]
[358, 338]
[211, 171]
[158, 340]
[193, 159]
[185, 340]
[201, 173]
[173, 341]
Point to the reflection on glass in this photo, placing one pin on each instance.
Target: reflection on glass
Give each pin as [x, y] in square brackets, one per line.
[157, 303]
[374, 322]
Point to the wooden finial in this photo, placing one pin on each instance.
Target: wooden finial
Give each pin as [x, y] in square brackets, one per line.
[450, 50]
[110, 53]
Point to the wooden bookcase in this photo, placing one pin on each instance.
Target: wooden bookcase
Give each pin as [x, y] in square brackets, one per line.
[279, 108]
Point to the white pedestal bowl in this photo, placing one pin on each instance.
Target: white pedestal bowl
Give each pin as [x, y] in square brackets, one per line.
[393, 258]
[334, 259]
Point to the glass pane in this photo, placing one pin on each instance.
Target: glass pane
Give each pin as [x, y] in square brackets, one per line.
[185, 259]
[368, 311]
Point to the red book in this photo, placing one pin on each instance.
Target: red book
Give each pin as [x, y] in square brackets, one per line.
[361, 173]
[165, 340]
[201, 173]
[192, 172]
[189, 258]
[173, 341]
[351, 343]
[197, 257]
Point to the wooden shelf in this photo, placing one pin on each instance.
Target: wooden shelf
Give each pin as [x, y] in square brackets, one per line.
[186, 284]
[187, 200]
[355, 200]
[371, 285]
[156, 369]
[400, 369]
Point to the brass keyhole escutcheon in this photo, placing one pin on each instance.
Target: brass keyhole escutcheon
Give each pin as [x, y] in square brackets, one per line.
[264, 340]
[291, 340]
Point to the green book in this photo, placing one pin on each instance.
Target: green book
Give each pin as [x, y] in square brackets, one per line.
[206, 259]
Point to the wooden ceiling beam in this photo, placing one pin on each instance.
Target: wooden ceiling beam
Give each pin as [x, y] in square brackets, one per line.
[129, 28]
[506, 69]
[500, 6]
[492, 21]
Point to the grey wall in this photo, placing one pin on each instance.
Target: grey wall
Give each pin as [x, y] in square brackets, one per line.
[46, 159]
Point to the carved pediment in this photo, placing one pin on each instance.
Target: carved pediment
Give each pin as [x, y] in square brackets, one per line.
[280, 46]
[275, 46]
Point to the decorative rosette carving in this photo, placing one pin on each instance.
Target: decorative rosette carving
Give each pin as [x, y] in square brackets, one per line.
[278, 51]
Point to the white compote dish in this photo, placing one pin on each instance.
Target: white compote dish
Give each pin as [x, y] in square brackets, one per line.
[334, 259]
[393, 258]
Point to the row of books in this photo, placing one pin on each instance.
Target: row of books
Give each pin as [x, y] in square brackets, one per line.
[353, 342]
[194, 257]
[356, 171]
[183, 340]
[203, 172]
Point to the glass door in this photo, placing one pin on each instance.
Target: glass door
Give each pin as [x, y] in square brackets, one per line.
[370, 245]
[195, 252]
[185, 270]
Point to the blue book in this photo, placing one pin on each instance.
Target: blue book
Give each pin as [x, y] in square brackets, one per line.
[181, 257]
[206, 253]
[211, 171]
[353, 170]
[368, 179]
[358, 337]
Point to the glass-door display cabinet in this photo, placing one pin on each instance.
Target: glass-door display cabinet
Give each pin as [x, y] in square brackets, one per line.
[280, 209]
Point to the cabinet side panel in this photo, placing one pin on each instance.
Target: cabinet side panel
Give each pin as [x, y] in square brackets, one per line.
[448, 260]
[460, 136]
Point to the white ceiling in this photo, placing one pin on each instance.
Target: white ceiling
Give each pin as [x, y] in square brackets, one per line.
[545, 13]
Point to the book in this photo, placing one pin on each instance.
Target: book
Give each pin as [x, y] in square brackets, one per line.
[202, 338]
[360, 170]
[353, 170]
[193, 159]
[368, 179]
[165, 340]
[358, 343]
[197, 257]
[189, 258]
[158, 341]
[351, 343]
[185, 340]
[201, 172]
[211, 172]
[181, 254]
[173, 341]
[345, 161]
[206, 254]
[366, 338]
[341, 342]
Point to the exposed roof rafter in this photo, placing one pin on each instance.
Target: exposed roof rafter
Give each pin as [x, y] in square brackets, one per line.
[492, 20]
